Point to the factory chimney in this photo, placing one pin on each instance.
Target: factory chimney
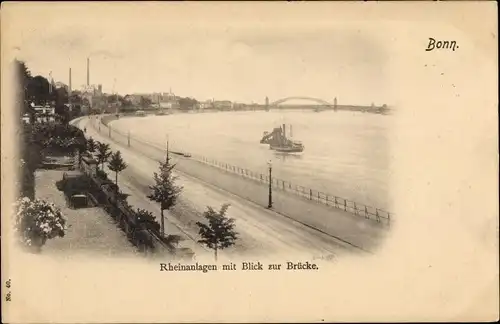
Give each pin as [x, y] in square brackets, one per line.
[69, 84]
[69, 90]
[88, 71]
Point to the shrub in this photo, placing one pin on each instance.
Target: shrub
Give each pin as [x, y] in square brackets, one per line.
[101, 174]
[172, 239]
[145, 219]
[54, 135]
[36, 221]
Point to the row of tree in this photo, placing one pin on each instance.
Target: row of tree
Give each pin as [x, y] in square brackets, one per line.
[115, 163]
[38, 220]
[217, 234]
[187, 103]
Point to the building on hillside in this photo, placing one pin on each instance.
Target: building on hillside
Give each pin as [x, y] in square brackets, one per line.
[205, 104]
[162, 100]
[26, 118]
[170, 105]
[168, 96]
[169, 100]
[93, 97]
[43, 114]
[223, 104]
[238, 106]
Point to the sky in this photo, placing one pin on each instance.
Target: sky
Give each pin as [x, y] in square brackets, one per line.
[232, 54]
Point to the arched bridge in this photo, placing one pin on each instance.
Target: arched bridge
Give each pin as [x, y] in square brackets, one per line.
[321, 105]
[316, 100]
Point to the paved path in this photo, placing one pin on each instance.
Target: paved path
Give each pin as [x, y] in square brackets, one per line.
[90, 230]
[261, 230]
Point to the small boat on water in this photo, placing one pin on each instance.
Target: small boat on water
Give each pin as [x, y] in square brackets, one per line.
[278, 141]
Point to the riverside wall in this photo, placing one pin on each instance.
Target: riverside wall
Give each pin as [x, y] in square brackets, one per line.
[357, 229]
[329, 200]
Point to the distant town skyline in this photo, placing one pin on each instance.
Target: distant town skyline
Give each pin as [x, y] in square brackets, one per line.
[226, 60]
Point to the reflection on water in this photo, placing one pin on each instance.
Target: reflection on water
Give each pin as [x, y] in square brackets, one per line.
[346, 153]
[287, 156]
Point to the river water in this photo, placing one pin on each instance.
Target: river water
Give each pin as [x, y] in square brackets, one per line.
[346, 153]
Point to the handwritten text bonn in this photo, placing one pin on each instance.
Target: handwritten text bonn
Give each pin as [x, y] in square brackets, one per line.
[439, 44]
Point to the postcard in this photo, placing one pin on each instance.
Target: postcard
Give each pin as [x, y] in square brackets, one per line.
[249, 162]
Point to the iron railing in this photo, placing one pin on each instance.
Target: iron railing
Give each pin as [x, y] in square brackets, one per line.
[350, 206]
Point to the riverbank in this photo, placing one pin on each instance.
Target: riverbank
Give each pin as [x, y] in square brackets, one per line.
[345, 163]
[292, 219]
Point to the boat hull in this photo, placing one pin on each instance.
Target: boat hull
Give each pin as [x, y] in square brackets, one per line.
[287, 149]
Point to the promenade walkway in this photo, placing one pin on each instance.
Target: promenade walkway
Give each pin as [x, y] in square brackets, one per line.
[293, 223]
[91, 231]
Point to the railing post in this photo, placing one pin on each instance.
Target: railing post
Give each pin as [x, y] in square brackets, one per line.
[378, 216]
[128, 139]
[366, 212]
[345, 205]
[310, 194]
[109, 131]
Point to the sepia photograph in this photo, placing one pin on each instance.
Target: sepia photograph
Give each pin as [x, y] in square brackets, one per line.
[263, 144]
[233, 143]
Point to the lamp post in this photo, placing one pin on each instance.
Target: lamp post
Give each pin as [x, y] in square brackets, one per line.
[168, 153]
[270, 204]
